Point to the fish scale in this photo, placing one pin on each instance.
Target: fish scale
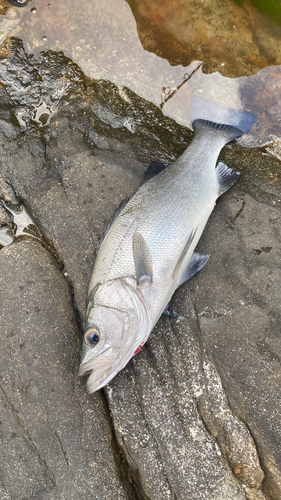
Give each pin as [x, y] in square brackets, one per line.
[148, 250]
[164, 210]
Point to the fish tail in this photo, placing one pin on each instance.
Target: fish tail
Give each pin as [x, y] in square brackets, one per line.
[231, 123]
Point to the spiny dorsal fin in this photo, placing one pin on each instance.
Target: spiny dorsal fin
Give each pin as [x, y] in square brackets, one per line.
[226, 177]
[184, 252]
[142, 259]
[153, 169]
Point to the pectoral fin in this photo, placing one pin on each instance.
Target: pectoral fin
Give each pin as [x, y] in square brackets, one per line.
[196, 263]
[184, 252]
[142, 259]
[226, 177]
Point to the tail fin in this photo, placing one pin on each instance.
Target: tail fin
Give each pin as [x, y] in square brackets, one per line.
[232, 123]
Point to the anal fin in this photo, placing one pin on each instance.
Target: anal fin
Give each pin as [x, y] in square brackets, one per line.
[226, 177]
[196, 263]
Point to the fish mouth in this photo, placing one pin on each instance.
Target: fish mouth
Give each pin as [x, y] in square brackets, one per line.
[91, 361]
[101, 367]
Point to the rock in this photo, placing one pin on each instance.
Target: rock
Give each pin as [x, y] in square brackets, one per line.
[232, 436]
[159, 427]
[174, 393]
[195, 414]
[239, 316]
[56, 441]
[86, 162]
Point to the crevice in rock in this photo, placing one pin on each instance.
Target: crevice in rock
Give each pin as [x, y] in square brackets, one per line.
[257, 449]
[146, 421]
[204, 345]
[61, 447]
[128, 476]
[26, 435]
[48, 244]
[78, 316]
[131, 470]
[151, 359]
[231, 220]
[245, 464]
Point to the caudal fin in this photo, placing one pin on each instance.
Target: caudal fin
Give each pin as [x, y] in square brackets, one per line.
[232, 123]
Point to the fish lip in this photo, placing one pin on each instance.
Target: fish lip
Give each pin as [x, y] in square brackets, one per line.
[93, 362]
[101, 368]
[92, 387]
[101, 376]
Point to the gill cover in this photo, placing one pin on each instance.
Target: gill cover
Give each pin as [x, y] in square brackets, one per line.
[117, 315]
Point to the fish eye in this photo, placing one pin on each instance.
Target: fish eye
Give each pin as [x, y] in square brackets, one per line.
[92, 336]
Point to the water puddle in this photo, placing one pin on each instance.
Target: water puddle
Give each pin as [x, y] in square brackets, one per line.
[121, 42]
[21, 224]
[15, 221]
[164, 51]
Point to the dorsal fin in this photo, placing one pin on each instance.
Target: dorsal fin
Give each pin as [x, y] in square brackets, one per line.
[142, 259]
[153, 169]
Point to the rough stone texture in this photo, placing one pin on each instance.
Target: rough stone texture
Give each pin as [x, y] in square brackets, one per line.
[234, 312]
[157, 421]
[196, 414]
[56, 441]
[239, 316]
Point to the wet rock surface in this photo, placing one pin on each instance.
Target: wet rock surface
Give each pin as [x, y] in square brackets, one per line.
[232, 38]
[196, 414]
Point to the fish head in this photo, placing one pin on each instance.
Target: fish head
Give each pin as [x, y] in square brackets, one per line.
[115, 321]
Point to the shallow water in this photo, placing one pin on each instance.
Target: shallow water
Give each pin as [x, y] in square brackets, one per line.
[153, 47]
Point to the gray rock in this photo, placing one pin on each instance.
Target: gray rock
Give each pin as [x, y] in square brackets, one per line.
[196, 414]
[239, 316]
[56, 441]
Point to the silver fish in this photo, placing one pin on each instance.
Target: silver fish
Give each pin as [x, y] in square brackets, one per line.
[148, 251]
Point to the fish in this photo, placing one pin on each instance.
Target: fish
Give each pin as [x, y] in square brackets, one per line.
[147, 251]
